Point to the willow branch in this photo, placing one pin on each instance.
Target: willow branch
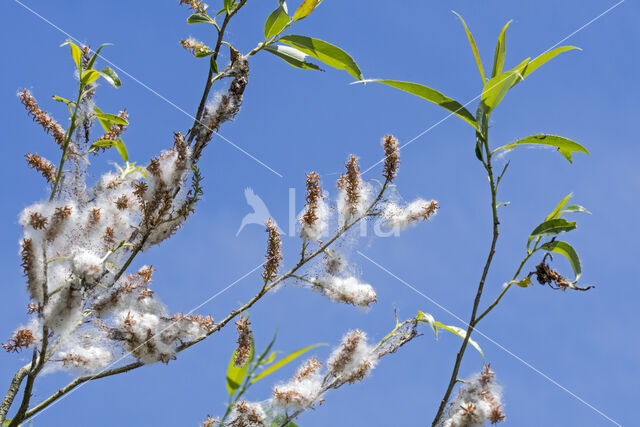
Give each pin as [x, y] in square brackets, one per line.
[485, 271]
[219, 325]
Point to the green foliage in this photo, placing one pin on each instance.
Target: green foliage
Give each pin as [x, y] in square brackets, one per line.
[544, 58]
[76, 54]
[431, 95]
[498, 58]
[240, 378]
[553, 227]
[568, 252]
[92, 60]
[565, 146]
[325, 52]
[198, 18]
[110, 76]
[277, 20]
[305, 9]
[472, 42]
[462, 334]
[435, 325]
[496, 88]
[293, 56]
[284, 361]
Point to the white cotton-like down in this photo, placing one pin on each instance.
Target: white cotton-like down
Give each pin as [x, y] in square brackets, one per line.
[347, 290]
[349, 213]
[397, 217]
[353, 359]
[298, 393]
[86, 264]
[87, 358]
[247, 414]
[64, 310]
[478, 401]
[316, 230]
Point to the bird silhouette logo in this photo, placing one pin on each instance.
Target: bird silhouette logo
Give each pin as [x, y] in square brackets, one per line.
[260, 212]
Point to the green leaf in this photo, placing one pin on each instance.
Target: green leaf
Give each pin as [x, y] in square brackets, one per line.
[575, 208]
[76, 54]
[524, 282]
[282, 362]
[431, 95]
[92, 60]
[305, 9]
[293, 56]
[428, 318]
[61, 99]
[565, 146]
[236, 374]
[557, 211]
[276, 21]
[462, 334]
[202, 53]
[331, 55]
[553, 227]
[198, 18]
[122, 149]
[89, 76]
[545, 57]
[498, 58]
[560, 247]
[496, 88]
[104, 143]
[109, 75]
[228, 4]
[476, 54]
[111, 118]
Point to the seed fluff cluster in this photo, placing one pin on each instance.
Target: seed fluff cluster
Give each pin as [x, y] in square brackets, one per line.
[478, 402]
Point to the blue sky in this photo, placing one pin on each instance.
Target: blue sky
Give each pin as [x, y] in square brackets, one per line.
[296, 121]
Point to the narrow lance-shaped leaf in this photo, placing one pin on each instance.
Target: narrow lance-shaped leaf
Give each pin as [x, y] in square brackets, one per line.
[498, 58]
[112, 118]
[563, 248]
[496, 88]
[331, 55]
[282, 362]
[544, 58]
[305, 9]
[92, 60]
[276, 21]
[76, 54]
[472, 42]
[292, 56]
[227, 5]
[428, 318]
[198, 18]
[89, 76]
[557, 211]
[565, 146]
[122, 149]
[462, 334]
[431, 95]
[575, 208]
[109, 75]
[553, 227]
